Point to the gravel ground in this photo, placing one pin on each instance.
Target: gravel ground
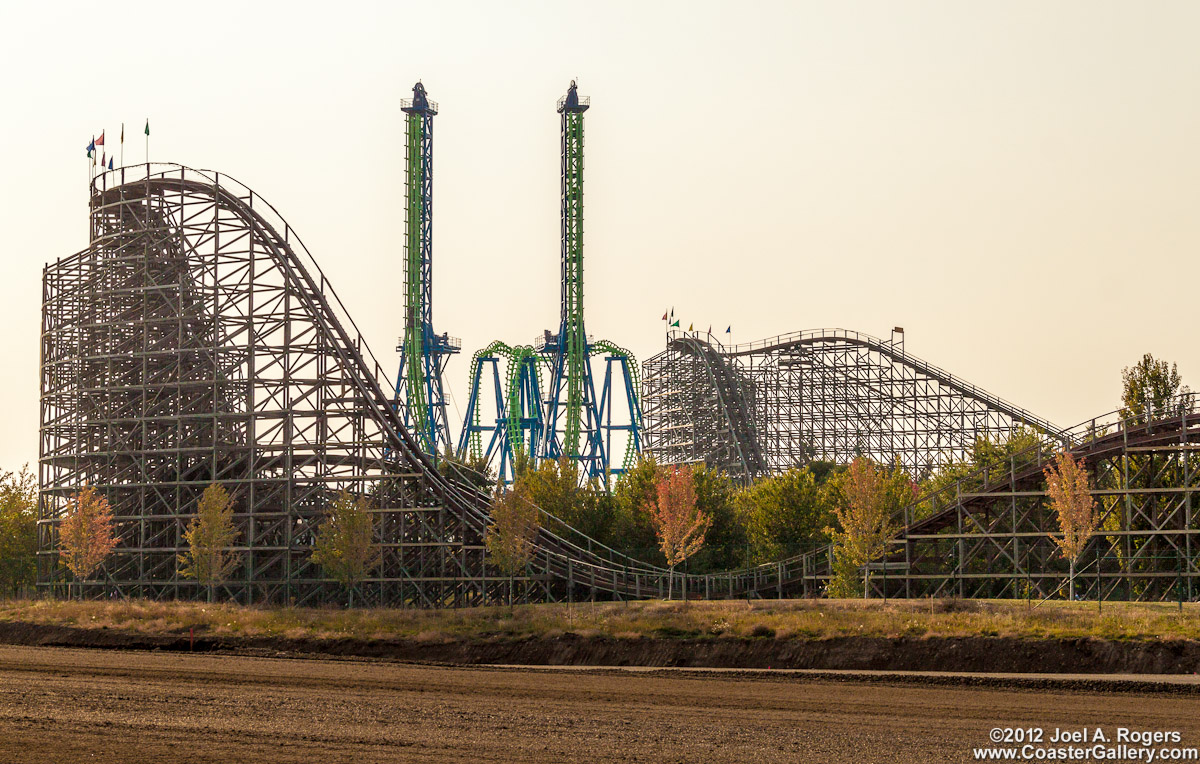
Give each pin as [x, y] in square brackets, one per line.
[69, 705]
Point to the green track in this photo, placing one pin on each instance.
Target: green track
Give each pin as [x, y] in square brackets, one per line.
[414, 329]
[574, 335]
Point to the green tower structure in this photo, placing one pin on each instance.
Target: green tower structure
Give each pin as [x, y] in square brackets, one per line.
[420, 395]
[581, 413]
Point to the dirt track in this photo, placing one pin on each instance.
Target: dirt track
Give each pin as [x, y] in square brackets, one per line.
[64, 705]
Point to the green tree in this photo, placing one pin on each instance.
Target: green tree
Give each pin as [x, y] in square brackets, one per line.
[1020, 447]
[554, 487]
[823, 471]
[1153, 387]
[512, 534]
[209, 536]
[344, 544]
[473, 472]
[725, 542]
[18, 530]
[784, 514]
[633, 526]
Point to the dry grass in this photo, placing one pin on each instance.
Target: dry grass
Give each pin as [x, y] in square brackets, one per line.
[763, 619]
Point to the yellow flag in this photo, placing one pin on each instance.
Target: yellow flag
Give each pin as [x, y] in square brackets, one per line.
[691, 327]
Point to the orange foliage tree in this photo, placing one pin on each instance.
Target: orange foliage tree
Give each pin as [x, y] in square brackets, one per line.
[85, 533]
[678, 522]
[1071, 499]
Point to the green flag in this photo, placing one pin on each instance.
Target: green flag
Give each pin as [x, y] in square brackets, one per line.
[675, 322]
[147, 127]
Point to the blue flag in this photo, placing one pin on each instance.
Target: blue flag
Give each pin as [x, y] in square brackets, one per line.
[91, 147]
[110, 163]
[728, 328]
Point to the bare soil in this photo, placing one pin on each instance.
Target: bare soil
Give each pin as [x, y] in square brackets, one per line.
[68, 705]
[972, 654]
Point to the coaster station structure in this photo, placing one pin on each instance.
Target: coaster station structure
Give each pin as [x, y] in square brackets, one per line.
[577, 415]
[420, 394]
[824, 395]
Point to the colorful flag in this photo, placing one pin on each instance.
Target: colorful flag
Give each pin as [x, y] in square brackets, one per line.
[147, 125]
[91, 147]
[664, 318]
[691, 327]
[675, 323]
[710, 328]
[122, 132]
[102, 159]
[100, 142]
[728, 328]
[110, 163]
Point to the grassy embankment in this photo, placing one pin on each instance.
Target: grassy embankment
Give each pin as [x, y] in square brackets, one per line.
[786, 619]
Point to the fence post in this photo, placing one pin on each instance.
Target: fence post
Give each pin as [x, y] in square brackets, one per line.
[1179, 579]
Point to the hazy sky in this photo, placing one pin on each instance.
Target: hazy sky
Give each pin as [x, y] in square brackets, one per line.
[1014, 183]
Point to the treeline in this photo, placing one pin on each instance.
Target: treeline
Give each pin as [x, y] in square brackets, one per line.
[775, 517]
[856, 507]
[691, 516]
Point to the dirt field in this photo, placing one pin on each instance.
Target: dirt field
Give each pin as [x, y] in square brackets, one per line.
[71, 705]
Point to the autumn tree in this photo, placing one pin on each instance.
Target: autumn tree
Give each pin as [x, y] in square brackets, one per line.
[1071, 499]
[209, 536]
[864, 498]
[512, 533]
[344, 543]
[85, 533]
[679, 523]
[18, 530]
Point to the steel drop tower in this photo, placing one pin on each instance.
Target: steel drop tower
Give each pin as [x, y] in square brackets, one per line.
[570, 420]
[578, 424]
[420, 396]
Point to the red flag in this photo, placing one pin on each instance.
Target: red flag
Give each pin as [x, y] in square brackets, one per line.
[664, 318]
[100, 140]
